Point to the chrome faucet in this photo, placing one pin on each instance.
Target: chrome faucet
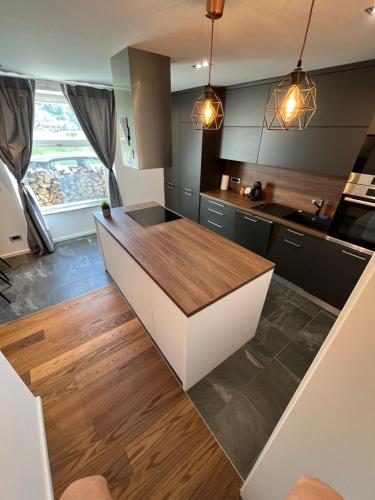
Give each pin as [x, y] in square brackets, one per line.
[318, 204]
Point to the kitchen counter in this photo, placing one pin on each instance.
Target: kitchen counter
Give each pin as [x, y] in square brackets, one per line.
[198, 295]
[243, 203]
[192, 265]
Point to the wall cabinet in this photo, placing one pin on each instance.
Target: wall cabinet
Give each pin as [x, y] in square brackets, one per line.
[331, 150]
[335, 273]
[294, 253]
[252, 232]
[240, 143]
[244, 106]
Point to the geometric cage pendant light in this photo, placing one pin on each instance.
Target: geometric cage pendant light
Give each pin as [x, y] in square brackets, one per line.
[208, 111]
[293, 102]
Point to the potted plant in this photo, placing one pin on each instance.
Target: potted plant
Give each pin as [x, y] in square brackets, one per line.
[106, 209]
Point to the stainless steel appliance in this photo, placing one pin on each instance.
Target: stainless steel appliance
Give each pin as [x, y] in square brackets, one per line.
[365, 163]
[354, 221]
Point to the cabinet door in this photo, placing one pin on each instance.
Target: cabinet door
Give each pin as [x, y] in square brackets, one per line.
[172, 173]
[240, 143]
[331, 150]
[187, 101]
[335, 273]
[293, 253]
[345, 98]
[220, 220]
[190, 157]
[189, 207]
[172, 197]
[252, 232]
[245, 106]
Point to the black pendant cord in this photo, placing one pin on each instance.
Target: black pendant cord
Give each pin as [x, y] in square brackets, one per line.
[299, 64]
[212, 41]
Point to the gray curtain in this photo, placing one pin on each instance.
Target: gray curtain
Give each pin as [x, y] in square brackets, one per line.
[95, 111]
[16, 140]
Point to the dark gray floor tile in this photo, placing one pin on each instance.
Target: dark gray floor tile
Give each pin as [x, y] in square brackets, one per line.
[271, 390]
[296, 357]
[206, 399]
[269, 340]
[279, 293]
[319, 327]
[289, 319]
[241, 431]
[229, 377]
[305, 305]
[268, 308]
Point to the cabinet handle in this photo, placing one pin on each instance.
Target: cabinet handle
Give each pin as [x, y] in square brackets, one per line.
[258, 218]
[216, 203]
[249, 218]
[188, 194]
[215, 211]
[170, 183]
[188, 189]
[292, 243]
[170, 186]
[353, 255]
[295, 232]
[214, 224]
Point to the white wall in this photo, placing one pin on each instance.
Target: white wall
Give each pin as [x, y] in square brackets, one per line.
[137, 186]
[12, 221]
[72, 223]
[327, 431]
[24, 468]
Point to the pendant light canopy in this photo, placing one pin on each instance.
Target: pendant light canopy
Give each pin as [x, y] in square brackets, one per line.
[293, 102]
[208, 112]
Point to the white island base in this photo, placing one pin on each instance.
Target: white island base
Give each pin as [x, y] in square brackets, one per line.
[192, 345]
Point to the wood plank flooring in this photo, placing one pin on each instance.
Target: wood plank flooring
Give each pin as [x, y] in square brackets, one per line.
[111, 405]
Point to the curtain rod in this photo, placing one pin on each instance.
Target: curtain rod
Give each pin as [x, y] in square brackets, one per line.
[51, 80]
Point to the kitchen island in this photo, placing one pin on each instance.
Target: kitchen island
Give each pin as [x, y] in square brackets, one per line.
[198, 295]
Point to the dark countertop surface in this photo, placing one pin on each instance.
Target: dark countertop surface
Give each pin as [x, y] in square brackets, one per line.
[192, 265]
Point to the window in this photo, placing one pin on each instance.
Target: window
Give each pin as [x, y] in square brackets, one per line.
[64, 171]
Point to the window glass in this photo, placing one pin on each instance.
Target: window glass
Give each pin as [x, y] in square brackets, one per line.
[64, 170]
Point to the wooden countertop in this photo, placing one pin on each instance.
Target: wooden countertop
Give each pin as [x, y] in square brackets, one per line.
[243, 203]
[192, 265]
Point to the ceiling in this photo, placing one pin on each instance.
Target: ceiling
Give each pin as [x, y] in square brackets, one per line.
[255, 39]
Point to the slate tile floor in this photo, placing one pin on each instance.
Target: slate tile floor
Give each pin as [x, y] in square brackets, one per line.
[243, 398]
[75, 268]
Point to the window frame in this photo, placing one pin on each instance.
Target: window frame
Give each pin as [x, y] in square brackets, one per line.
[79, 143]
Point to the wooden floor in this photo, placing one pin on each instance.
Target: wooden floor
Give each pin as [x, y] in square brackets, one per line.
[111, 405]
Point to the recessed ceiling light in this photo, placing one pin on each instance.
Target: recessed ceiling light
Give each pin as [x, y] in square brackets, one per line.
[370, 10]
[202, 64]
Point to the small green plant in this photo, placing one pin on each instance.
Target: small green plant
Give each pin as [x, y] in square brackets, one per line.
[105, 205]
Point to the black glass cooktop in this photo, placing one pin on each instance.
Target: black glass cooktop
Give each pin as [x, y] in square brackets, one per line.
[147, 217]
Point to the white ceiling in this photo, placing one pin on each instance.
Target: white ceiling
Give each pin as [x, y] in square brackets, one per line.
[73, 40]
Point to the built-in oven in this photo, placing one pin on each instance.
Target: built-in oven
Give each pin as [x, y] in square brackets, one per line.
[365, 163]
[354, 220]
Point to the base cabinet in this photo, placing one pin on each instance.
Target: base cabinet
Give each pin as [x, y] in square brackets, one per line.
[252, 232]
[294, 253]
[189, 204]
[335, 273]
[172, 196]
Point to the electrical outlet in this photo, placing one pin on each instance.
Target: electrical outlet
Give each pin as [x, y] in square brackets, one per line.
[235, 180]
[16, 237]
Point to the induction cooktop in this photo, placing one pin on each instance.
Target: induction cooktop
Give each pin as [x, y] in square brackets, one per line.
[151, 216]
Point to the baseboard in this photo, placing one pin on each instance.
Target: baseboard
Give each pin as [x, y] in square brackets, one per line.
[72, 236]
[14, 254]
[311, 298]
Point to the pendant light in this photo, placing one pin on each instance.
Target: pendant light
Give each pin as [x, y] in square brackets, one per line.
[293, 102]
[208, 112]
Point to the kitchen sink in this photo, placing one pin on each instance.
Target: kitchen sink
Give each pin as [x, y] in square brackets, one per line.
[306, 219]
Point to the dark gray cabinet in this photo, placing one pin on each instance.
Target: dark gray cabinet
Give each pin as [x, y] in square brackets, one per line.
[187, 101]
[240, 143]
[189, 205]
[252, 232]
[172, 197]
[172, 173]
[329, 150]
[190, 157]
[345, 98]
[217, 216]
[335, 273]
[244, 106]
[293, 252]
